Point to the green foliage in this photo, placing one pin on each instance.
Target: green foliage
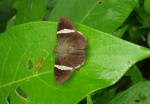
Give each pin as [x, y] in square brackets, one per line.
[103, 15]
[89, 100]
[135, 75]
[147, 6]
[27, 56]
[28, 10]
[138, 93]
[6, 12]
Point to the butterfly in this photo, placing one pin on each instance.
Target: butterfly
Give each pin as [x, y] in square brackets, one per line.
[70, 51]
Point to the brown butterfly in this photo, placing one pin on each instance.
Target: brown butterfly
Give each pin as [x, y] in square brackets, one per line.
[71, 52]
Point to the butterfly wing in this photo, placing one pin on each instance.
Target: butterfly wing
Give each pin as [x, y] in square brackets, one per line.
[61, 71]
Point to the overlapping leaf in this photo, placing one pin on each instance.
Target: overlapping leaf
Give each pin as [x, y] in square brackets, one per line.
[103, 15]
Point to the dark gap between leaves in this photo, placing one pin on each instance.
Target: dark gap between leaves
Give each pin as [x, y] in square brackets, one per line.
[21, 92]
[9, 98]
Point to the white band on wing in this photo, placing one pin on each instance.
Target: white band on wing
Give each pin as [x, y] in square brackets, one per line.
[61, 67]
[79, 32]
[65, 31]
[79, 65]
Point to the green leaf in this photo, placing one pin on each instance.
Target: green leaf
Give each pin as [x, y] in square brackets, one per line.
[50, 4]
[120, 32]
[143, 15]
[137, 94]
[89, 100]
[135, 74]
[27, 61]
[29, 10]
[148, 38]
[147, 6]
[104, 15]
[10, 24]
[105, 95]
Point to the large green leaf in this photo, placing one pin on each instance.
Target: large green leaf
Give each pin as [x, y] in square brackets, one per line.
[104, 15]
[27, 60]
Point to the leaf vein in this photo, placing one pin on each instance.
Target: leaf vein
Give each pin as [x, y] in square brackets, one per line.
[89, 12]
[6, 57]
[24, 79]
[19, 63]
